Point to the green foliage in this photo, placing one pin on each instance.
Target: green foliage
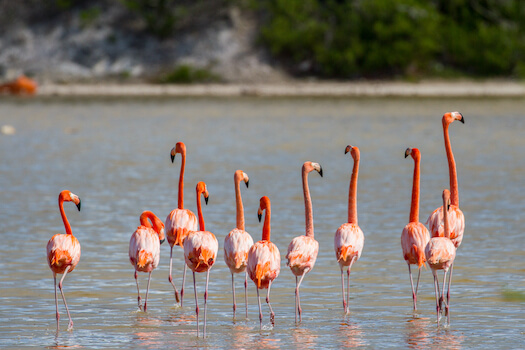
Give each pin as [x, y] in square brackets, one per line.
[89, 16]
[186, 74]
[158, 15]
[388, 38]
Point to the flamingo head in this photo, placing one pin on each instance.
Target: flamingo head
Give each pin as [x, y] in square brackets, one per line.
[449, 117]
[414, 152]
[202, 189]
[354, 151]
[311, 166]
[67, 196]
[241, 176]
[264, 204]
[446, 200]
[180, 147]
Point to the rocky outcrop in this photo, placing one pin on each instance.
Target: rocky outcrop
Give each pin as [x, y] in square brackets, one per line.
[113, 45]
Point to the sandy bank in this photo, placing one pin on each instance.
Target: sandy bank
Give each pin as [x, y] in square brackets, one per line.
[309, 89]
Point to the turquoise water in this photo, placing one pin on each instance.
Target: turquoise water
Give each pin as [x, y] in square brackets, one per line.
[114, 154]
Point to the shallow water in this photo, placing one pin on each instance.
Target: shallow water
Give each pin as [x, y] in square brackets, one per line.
[114, 154]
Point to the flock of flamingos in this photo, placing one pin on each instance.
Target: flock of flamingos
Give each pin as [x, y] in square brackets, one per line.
[261, 261]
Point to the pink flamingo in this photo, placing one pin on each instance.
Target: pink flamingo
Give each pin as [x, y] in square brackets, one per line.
[144, 249]
[264, 259]
[415, 235]
[435, 221]
[200, 251]
[440, 253]
[63, 251]
[302, 251]
[180, 221]
[349, 239]
[238, 242]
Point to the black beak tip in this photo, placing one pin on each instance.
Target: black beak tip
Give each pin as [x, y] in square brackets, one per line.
[162, 241]
[346, 150]
[462, 119]
[321, 172]
[407, 152]
[247, 184]
[78, 205]
[259, 216]
[206, 200]
[172, 158]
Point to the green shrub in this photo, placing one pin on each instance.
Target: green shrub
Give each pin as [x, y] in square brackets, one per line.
[186, 74]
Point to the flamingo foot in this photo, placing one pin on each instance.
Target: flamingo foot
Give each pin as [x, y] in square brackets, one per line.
[70, 325]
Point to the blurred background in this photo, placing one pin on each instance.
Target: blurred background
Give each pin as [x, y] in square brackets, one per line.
[198, 41]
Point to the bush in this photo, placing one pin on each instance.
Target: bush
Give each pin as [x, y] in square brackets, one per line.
[185, 74]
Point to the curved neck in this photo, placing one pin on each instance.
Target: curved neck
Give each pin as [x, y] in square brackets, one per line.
[308, 213]
[181, 181]
[63, 214]
[414, 207]
[352, 194]
[454, 194]
[266, 226]
[238, 203]
[199, 212]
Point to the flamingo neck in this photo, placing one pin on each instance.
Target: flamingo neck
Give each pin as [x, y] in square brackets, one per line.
[352, 194]
[144, 219]
[199, 213]
[63, 214]
[454, 194]
[308, 212]
[239, 206]
[446, 225]
[181, 181]
[266, 226]
[414, 207]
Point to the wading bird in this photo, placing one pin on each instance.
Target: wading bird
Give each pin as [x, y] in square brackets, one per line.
[200, 251]
[144, 249]
[302, 250]
[180, 221]
[264, 259]
[349, 239]
[440, 253]
[435, 221]
[238, 242]
[415, 235]
[63, 251]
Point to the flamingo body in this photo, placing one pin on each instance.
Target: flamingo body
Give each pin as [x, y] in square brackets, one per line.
[178, 224]
[456, 219]
[440, 253]
[348, 243]
[414, 239]
[144, 249]
[264, 263]
[236, 246]
[200, 250]
[63, 251]
[302, 254]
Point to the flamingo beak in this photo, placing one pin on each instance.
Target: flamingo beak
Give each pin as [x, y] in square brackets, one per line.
[247, 183]
[347, 149]
[320, 171]
[407, 152]
[78, 205]
[206, 200]
[462, 118]
[162, 241]
[172, 158]
[259, 215]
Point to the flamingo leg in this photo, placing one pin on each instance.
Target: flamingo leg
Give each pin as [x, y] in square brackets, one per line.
[260, 309]
[343, 288]
[196, 303]
[246, 291]
[70, 326]
[296, 291]
[299, 298]
[170, 278]
[147, 291]
[183, 282]
[139, 303]
[56, 298]
[233, 289]
[414, 297]
[448, 293]
[272, 314]
[417, 284]
[436, 289]
[206, 301]
[443, 290]
[348, 284]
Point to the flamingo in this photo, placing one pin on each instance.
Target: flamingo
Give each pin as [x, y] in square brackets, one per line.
[264, 259]
[200, 251]
[20, 86]
[349, 239]
[238, 242]
[435, 221]
[415, 235]
[440, 253]
[302, 251]
[63, 251]
[144, 249]
[180, 221]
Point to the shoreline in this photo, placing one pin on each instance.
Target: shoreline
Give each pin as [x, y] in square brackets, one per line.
[292, 89]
